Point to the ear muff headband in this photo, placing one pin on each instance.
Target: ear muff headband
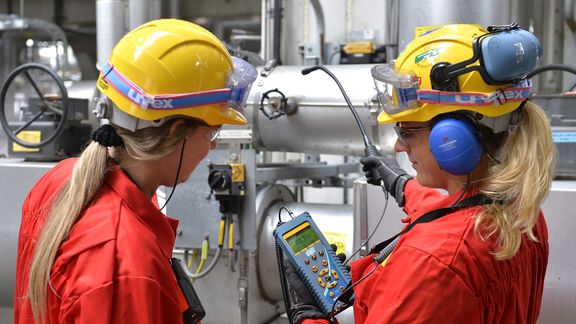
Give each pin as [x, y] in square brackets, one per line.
[455, 144]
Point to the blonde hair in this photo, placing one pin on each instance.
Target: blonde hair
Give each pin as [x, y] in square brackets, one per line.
[522, 180]
[79, 191]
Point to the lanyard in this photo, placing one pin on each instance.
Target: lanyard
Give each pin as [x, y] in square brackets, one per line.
[476, 200]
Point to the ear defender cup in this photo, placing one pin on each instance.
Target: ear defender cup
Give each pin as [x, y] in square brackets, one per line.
[455, 145]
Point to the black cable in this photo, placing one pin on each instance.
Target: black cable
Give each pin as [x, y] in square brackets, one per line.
[283, 282]
[463, 190]
[177, 173]
[280, 214]
[554, 67]
[373, 231]
[331, 315]
[551, 67]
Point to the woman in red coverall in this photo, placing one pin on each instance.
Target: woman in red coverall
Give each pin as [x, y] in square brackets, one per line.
[94, 247]
[473, 133]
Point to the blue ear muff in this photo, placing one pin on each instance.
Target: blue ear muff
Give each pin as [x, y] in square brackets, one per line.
[455, 145]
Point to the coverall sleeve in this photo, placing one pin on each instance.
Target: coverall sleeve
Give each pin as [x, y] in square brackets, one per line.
[416, 287]
[126, 300]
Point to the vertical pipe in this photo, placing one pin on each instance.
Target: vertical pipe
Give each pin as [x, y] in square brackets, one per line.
[552, 43]
[174, 10]
[58, 12]
[137, 13]
[267, 34]
[9, 7]
[320, 27]
[277, 31]
[110, 27]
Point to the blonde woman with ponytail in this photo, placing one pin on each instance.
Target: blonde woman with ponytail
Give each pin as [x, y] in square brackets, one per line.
[94, 246]
[477, 250]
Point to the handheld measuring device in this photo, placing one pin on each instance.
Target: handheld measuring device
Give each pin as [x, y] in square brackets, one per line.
[314, 261]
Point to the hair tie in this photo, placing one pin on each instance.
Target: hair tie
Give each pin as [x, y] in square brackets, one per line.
[106, 135]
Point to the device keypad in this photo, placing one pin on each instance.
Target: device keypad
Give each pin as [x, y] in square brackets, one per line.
[326, 278]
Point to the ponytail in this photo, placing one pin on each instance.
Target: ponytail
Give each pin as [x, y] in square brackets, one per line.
[522, 180]
[86, 179]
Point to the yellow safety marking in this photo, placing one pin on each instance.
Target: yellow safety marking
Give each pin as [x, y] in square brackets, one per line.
[32, 137]
[296, 230]
[237, 172]
[337, 238]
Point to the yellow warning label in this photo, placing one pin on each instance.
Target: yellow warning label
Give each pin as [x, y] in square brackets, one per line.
[237, 172]
[337, 238]
[32, 137]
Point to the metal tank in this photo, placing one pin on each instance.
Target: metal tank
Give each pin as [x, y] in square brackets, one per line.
[318, 118]
[335, 222]
[416, 13]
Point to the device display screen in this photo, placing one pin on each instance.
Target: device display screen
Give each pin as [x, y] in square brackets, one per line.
[302, 239]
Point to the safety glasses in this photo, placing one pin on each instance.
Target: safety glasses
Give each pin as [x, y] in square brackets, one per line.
[406, 134]
[212, 135]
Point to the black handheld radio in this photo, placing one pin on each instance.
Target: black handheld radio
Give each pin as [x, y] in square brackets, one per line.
[192, 311]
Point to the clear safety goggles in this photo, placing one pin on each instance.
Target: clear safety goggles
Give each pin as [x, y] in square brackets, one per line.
[506, 55]
[398, 92]
[235, 95]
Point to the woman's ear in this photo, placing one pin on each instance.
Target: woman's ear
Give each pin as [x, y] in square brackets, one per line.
[182, 127]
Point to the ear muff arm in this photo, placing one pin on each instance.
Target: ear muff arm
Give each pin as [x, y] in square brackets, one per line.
[444, 75]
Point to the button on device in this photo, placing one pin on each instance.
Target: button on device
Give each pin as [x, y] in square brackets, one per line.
[334, 274]
[332, 284]
[307, 261]
[321, 282]
[323, 272]
[325, 262]
[314, 268]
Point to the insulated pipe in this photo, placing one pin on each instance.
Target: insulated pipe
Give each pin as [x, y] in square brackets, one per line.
[320, 26]
[322, 122]
[109, 27]
[174, 10]
[141, 11]
[277, 31]
[137, 13]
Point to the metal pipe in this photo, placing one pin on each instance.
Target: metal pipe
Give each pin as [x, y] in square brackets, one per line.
[174, 10]
[137, 13]
[58, 12]
[277, 31]
[320, 26]
[110, 27]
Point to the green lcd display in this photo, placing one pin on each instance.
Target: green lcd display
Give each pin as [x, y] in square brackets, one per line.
[302, 239]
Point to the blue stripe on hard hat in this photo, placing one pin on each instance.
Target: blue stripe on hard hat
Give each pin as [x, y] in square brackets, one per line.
[169, 101]
[517, 92]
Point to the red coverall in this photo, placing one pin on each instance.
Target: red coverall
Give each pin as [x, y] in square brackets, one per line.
[113, 268]
[443, 272]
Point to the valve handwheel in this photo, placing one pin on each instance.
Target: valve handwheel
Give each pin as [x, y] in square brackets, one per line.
[47, 104]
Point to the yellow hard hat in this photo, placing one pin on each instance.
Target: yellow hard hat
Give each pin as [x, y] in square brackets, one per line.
[458, 67]
[172, 67]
